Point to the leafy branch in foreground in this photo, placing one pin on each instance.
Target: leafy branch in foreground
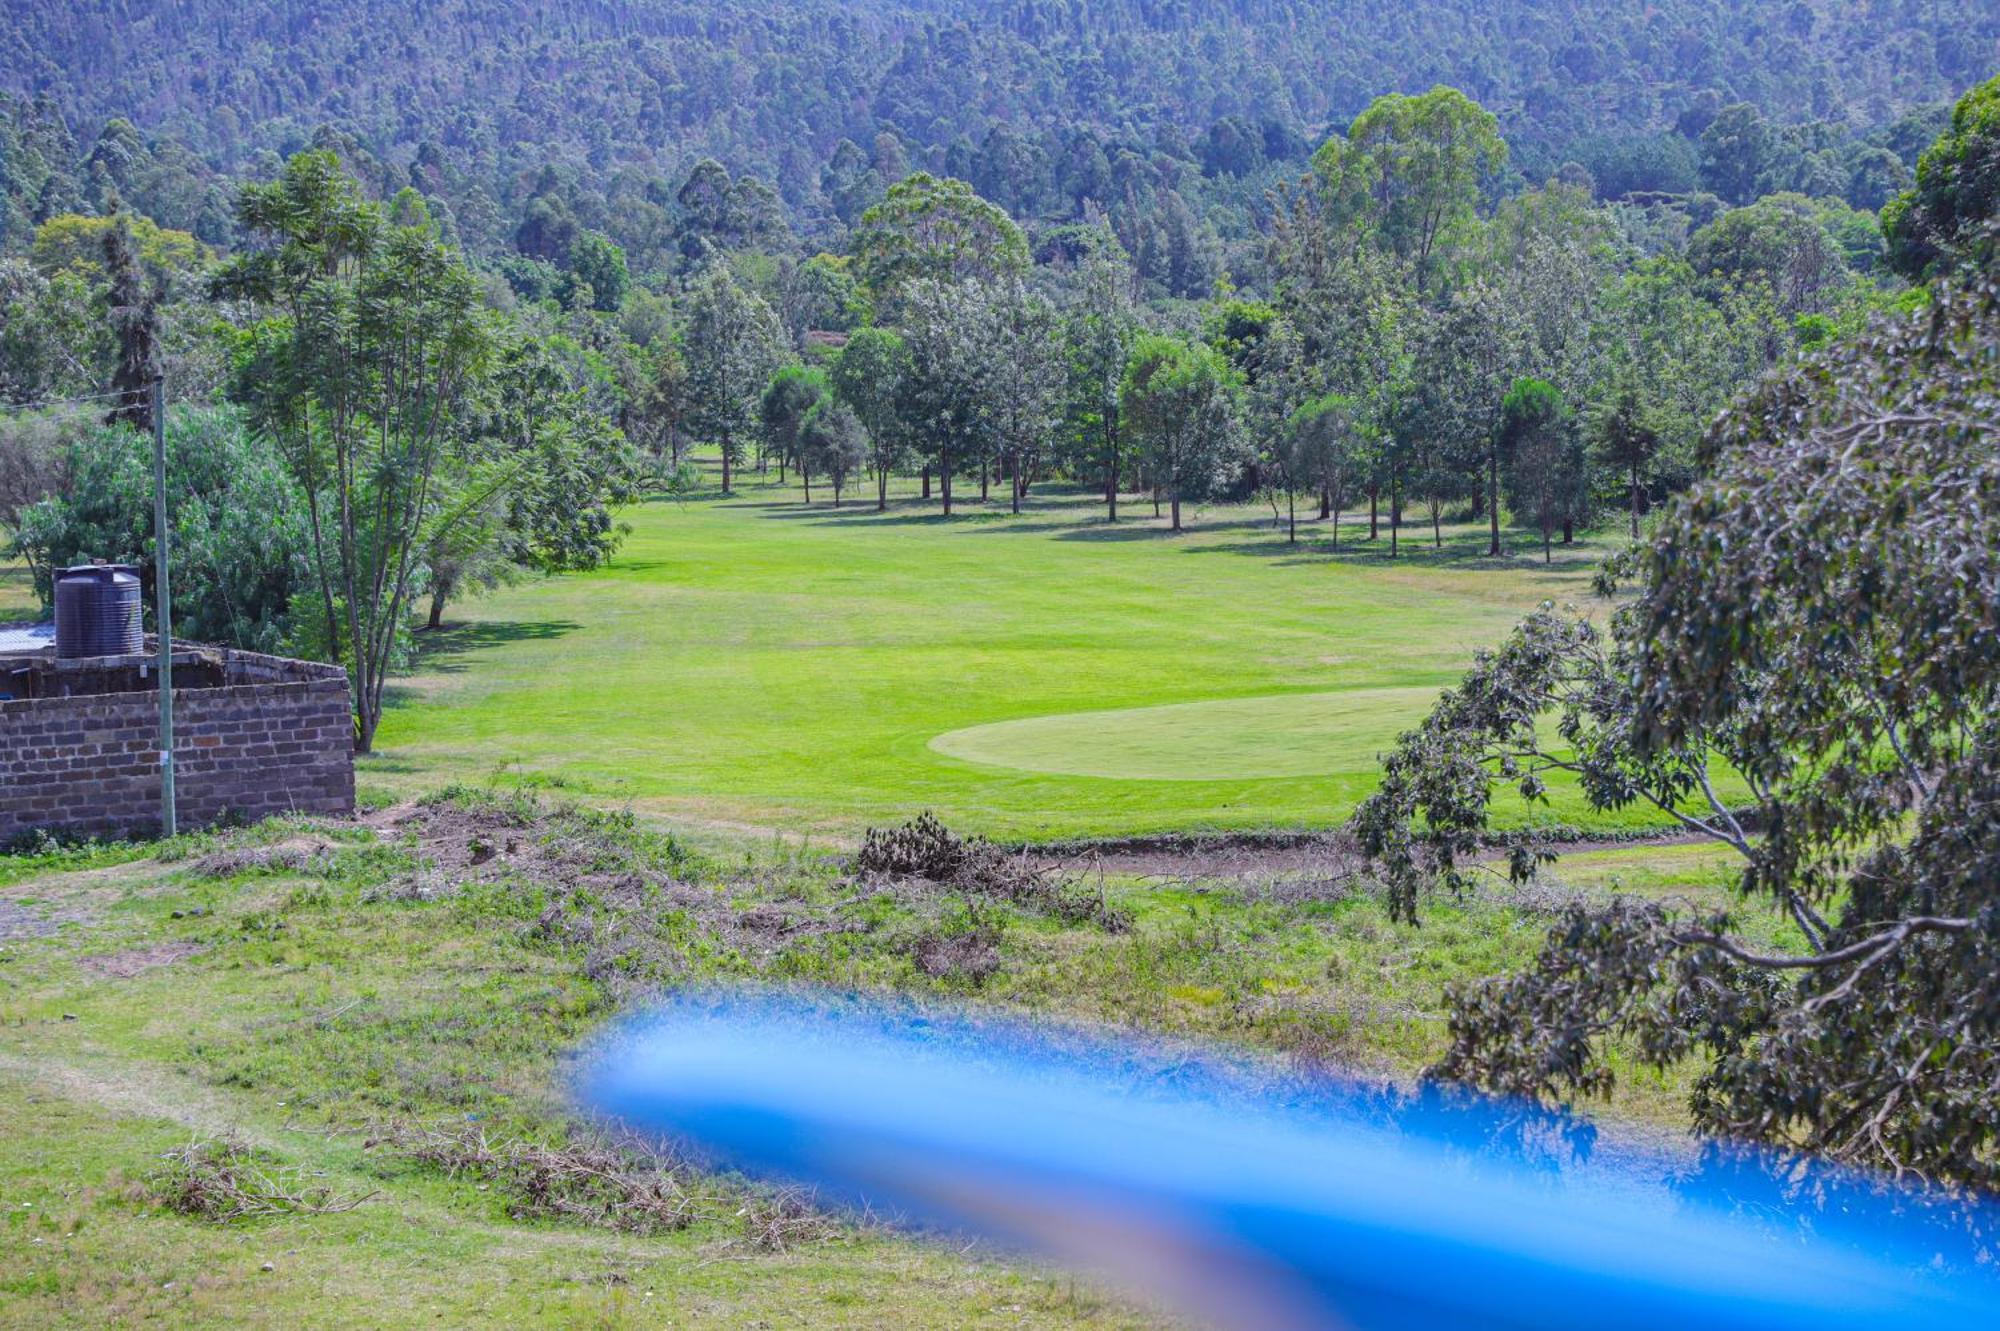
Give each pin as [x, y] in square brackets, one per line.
[1819, 628]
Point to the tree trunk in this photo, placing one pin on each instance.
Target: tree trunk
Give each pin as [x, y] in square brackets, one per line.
[1177, 508]
[1017, 490]
[1325, 502]
[1374, 514]
[1635, 503]
[806, 477]
[836, 491]
[1493, 501]
[1569, 531]
[944, 484]
[781, 467]
[1111, 477]
[927, 482]
[1156, 501]
[1291, 517]
[1545, 542]
[725, 466]
[1395, 518]
[1437, 526]
[982, 480]
[436, 620]
[882, 490]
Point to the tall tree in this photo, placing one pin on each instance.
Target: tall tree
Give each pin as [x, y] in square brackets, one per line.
[1098, 329]
[134, 307]
[733, 343]
[833, 442]
[1023, 383]
[1543, 459]
[1628, 442]
[869, 377]
[927, 228]
[1422, 161]
[793, 391]
[943, 396]
[1178, 399]
[371, 379]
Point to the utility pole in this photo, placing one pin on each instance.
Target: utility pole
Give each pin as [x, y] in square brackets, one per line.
[164, 609]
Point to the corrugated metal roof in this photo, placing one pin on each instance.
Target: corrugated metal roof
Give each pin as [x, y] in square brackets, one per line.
[26, 637]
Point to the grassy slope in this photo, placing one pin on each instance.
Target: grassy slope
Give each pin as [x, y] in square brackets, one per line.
[753, 662]
[17, 592]
[317, 1004]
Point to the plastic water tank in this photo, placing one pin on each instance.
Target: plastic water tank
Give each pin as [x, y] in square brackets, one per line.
[97, 611]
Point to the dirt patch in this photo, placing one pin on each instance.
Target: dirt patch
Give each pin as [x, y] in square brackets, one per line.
[18, 922]
[136, 961]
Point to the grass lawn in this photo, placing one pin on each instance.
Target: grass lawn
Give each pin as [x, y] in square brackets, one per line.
[17, 591]
[752, 663]
[305, 988]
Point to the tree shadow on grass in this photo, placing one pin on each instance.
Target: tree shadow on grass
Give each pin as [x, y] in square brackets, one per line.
[443, 651]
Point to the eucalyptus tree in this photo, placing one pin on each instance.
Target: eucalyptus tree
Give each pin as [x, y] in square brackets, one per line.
[1329, 449]
[1467, 359]
[1627, 441]
[793, 391]
[833, 442]
[869, 377]
[931, 229]
[1098, 330]
[733, 342]
[1814, 629]
[1178, 398]
[1022, 387]
[943, 400]
[375, 342]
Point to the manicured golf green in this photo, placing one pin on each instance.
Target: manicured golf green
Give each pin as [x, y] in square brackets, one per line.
[1290, 734]
[750, 663]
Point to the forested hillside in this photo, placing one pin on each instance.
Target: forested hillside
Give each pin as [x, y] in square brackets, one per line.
[1046, 106]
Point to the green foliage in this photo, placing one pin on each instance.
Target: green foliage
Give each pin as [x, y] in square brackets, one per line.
[1178, 399]
[240, 538]
[1957, 189]
[1814, 621]
[733, 343]
[927, 228]
[833, 443]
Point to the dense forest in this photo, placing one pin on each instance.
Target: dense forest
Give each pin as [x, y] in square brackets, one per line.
[1056, 111]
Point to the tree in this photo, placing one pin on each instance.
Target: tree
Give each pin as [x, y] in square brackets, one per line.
[537, 493]
[869, 378]
[239, 535]
[793, 391]
[1177, 397]
[733, 344]
[1813, 630]
[1957, 190]
[134, 309]
[1098, 331]
[833, 442]
[927, 228]
[596, 276]
[365, 370]
[1735, 152]
[1465, 363]
[1780, 242]
[1329, 450]
[943, 399]
[1628, 442]
[1421, 161]
[1023, 384]
[1544, 470]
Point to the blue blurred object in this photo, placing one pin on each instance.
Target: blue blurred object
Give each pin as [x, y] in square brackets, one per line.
[1251, 1212]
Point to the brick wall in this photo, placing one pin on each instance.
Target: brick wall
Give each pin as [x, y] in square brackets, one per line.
[90, 765]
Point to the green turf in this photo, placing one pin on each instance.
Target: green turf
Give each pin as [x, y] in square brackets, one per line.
[1290, 734]
[752, 663]
[17, 590]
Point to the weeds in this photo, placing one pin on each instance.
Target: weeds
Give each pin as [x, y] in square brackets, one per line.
[631, 1189]
[226, 1180]
[925, 850]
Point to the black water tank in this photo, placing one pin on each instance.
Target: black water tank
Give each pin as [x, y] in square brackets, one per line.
[97, 611]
